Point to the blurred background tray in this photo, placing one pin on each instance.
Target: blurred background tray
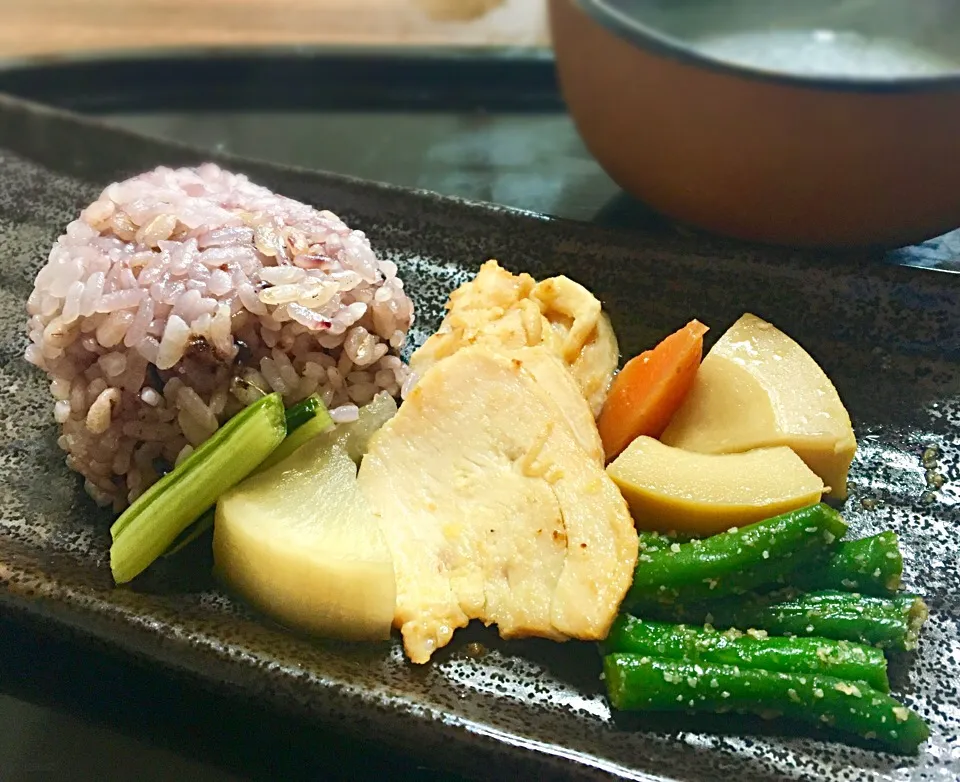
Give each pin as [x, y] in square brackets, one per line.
[485, 124]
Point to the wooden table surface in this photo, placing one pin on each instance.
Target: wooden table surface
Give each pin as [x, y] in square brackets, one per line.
[50, 27]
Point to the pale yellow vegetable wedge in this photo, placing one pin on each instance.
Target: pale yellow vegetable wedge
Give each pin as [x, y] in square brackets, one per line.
[299, 542]
[758, 388]
[669, 489]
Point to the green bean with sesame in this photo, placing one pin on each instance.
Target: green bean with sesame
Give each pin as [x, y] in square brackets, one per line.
[641, 683]
[736, 561]
[872, 566]
[887, 623]
[650, 540]
[754, 649]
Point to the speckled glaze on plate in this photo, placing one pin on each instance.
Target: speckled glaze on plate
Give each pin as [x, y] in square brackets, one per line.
[888, 336]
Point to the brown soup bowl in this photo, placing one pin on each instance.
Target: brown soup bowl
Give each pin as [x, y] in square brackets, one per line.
[749, 119]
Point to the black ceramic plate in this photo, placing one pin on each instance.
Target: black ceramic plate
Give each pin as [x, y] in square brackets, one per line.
[887, 335]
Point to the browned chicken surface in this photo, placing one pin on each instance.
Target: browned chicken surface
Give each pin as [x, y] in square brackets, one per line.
[505, 311]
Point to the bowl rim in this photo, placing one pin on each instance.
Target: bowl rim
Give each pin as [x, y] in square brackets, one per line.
[651, 39]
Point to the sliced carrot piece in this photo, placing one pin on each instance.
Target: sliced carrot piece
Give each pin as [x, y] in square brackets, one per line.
[650, 388]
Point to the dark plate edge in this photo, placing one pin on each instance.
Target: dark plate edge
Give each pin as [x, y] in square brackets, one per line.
[399, 78]
[478, 53]
[65, 610]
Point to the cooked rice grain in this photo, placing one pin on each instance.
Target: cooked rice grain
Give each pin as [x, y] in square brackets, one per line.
[180, 296]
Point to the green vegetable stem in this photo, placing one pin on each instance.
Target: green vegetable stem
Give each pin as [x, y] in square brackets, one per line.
[152, 523]
[311, 418]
